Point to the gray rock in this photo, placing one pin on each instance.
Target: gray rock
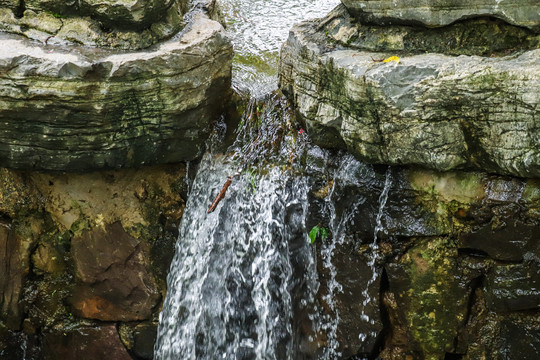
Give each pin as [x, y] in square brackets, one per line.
[432, 110]
[50, 28]
[78, 109]
[480, 36]
[435, 13]
[112, 13]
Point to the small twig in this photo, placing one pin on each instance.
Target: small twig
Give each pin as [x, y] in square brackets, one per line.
[222, 193]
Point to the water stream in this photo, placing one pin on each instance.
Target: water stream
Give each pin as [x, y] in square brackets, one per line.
[243, 282]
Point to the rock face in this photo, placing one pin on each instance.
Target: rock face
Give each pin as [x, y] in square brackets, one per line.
[124, 13]
[83, 255]
[438, 284]
[432, 110]
[120, 24]
[455, 267]
[85, 343]
[80, 108]
[114, 282]
[435, 13]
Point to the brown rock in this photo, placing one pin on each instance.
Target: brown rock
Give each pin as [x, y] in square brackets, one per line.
[89, 343]
[13, 269]
[114, 282]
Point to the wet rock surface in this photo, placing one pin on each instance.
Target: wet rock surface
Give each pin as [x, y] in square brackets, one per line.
[115, 283]
[430, 110]
[77, 108]
[85, 342]
[444, 286]
[87, 255]
[434, 13]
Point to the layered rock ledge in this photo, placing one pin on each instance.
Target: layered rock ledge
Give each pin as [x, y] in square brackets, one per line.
[116, 24]
[79, 108]
[434, 110]
[444, 12]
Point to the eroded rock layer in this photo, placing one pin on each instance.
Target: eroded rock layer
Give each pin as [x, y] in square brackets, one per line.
[77, 108]
[434, 110]
[444, 12]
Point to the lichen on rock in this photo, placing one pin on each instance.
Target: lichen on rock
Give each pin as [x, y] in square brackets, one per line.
[432, 110]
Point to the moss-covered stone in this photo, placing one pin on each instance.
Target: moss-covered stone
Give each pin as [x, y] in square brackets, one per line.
[483, 36]
[431, 110]
[432, 301]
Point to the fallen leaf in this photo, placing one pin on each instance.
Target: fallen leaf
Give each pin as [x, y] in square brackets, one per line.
[392, 58]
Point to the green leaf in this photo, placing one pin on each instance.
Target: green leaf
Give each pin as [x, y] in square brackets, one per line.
[313, 233]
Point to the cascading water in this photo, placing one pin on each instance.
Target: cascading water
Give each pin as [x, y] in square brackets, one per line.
[349, 174]
[241, 273]
[243, 283]
[229, 282]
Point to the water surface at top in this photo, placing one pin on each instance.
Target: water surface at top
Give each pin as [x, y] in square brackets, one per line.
[258, 28]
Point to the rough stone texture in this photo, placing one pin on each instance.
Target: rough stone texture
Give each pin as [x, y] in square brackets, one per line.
[134, 14]
[514, 287]
[499, 336]
[483, 36]
[509, 242]
[116, 285]
[86, 108]
[14, 266]
[85, 342]
[16, 196]
[442, 240]
[50, 28]
[431, 302]
[431, 110]
[139, 338]
[48, 218]
[443, 12]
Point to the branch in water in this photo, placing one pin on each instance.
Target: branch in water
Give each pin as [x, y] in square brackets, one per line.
[221, 194]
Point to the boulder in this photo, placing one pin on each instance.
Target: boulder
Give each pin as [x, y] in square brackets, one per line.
[114, 283]
[508, 243]
[434, 13]
[433, 110]
[82, 108]
[480, 36]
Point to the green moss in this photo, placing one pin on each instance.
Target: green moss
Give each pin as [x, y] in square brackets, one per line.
[436, 304]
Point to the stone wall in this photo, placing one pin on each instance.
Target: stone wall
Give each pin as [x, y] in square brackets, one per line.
[85, 259]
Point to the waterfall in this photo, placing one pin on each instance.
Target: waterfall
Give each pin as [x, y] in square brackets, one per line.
[349, 173]
[242, 273]
[230, 279]
[243, 283]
